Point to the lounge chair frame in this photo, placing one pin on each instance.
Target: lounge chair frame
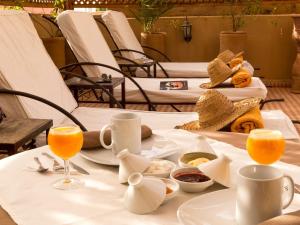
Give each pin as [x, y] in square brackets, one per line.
[118, 50]
[99, 20]
[45, 101]
[151, 106]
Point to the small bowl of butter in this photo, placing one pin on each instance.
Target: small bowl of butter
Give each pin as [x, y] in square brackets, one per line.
[160, 168]
[194, 159]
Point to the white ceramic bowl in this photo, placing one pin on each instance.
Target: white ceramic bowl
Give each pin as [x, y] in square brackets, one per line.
[157, 172]
[172, 185]
[189, 186]
[187, 157]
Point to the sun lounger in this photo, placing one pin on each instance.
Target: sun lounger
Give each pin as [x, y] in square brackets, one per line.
[88, 44]
[124, 38]
[26, 66]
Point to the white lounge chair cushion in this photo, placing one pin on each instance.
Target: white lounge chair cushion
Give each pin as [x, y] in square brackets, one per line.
[152, 88]
[174, 69]
[78, 28]
[118, 25]
[185, 69]
[95, 118]
[26, 66]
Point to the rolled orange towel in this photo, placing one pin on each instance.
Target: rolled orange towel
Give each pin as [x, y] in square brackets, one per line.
[247, 122]
[236, 61]
[241, 79]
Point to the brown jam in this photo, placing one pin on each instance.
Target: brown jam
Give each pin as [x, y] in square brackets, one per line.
[192, 177]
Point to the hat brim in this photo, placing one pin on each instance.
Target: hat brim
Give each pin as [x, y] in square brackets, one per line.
[239, 54]
[209, 85]
[236, 56]
[240, 108]
[212, 85]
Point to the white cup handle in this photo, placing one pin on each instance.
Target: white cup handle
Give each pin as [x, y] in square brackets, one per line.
[288, 188]
[102, 132]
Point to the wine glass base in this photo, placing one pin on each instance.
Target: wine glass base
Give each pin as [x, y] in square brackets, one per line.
[68, 184]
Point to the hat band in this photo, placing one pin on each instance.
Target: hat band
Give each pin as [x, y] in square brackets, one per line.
[214, 120]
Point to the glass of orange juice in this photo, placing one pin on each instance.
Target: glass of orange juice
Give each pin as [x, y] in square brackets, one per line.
[65, 142]
[265, 146]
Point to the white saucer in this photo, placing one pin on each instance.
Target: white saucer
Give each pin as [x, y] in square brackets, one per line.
[106, 157]
[216, 208]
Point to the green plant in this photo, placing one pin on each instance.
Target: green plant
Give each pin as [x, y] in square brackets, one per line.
[59, 6]
[18, 5]
[149, 11]
[239, 8]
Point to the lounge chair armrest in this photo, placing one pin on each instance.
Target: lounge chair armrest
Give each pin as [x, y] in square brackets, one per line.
[135, 63]
[157, 51]
[150, 104]
[296, 121]
[131, 50]
[94, 83]
[142, 53]
[45, 101]
[263, 102]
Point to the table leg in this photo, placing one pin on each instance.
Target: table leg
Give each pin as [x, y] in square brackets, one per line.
[111, 101]
[75, 91]
[12, 151]
[123, 96]
[149, 71]
[47, 132]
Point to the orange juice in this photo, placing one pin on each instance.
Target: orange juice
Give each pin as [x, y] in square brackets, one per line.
[65, 141]
[265, 146]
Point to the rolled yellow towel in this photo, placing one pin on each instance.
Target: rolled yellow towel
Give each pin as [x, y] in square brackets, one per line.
[236, 61]
[241, 79]
[247, 122]
[91, 138]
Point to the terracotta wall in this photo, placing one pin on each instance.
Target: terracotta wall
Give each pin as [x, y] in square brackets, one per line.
[270, 46]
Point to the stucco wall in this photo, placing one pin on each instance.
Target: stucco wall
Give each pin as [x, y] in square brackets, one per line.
[270, 46]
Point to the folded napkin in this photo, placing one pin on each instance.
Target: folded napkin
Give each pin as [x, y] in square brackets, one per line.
[161, 148]
[241, 79]
[91, 138]
[292, 218]
[247, 122]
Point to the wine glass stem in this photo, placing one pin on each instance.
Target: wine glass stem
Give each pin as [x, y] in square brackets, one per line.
[67, 171]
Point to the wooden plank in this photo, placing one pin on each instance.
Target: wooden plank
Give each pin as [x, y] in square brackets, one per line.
[18, 132]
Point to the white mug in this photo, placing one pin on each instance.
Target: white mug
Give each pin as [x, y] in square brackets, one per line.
[125, 133]
[262, 192]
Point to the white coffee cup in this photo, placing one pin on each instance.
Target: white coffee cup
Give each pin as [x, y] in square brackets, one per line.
[125, 133]
[262, 192]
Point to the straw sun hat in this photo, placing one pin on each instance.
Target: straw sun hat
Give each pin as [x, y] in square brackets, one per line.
[218, 72]
[227, 55]
[215, 111]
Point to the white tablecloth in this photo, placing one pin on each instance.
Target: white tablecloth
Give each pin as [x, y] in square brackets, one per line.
[30, 199]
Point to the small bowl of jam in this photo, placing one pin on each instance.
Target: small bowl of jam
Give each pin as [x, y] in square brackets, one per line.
[191, 179]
